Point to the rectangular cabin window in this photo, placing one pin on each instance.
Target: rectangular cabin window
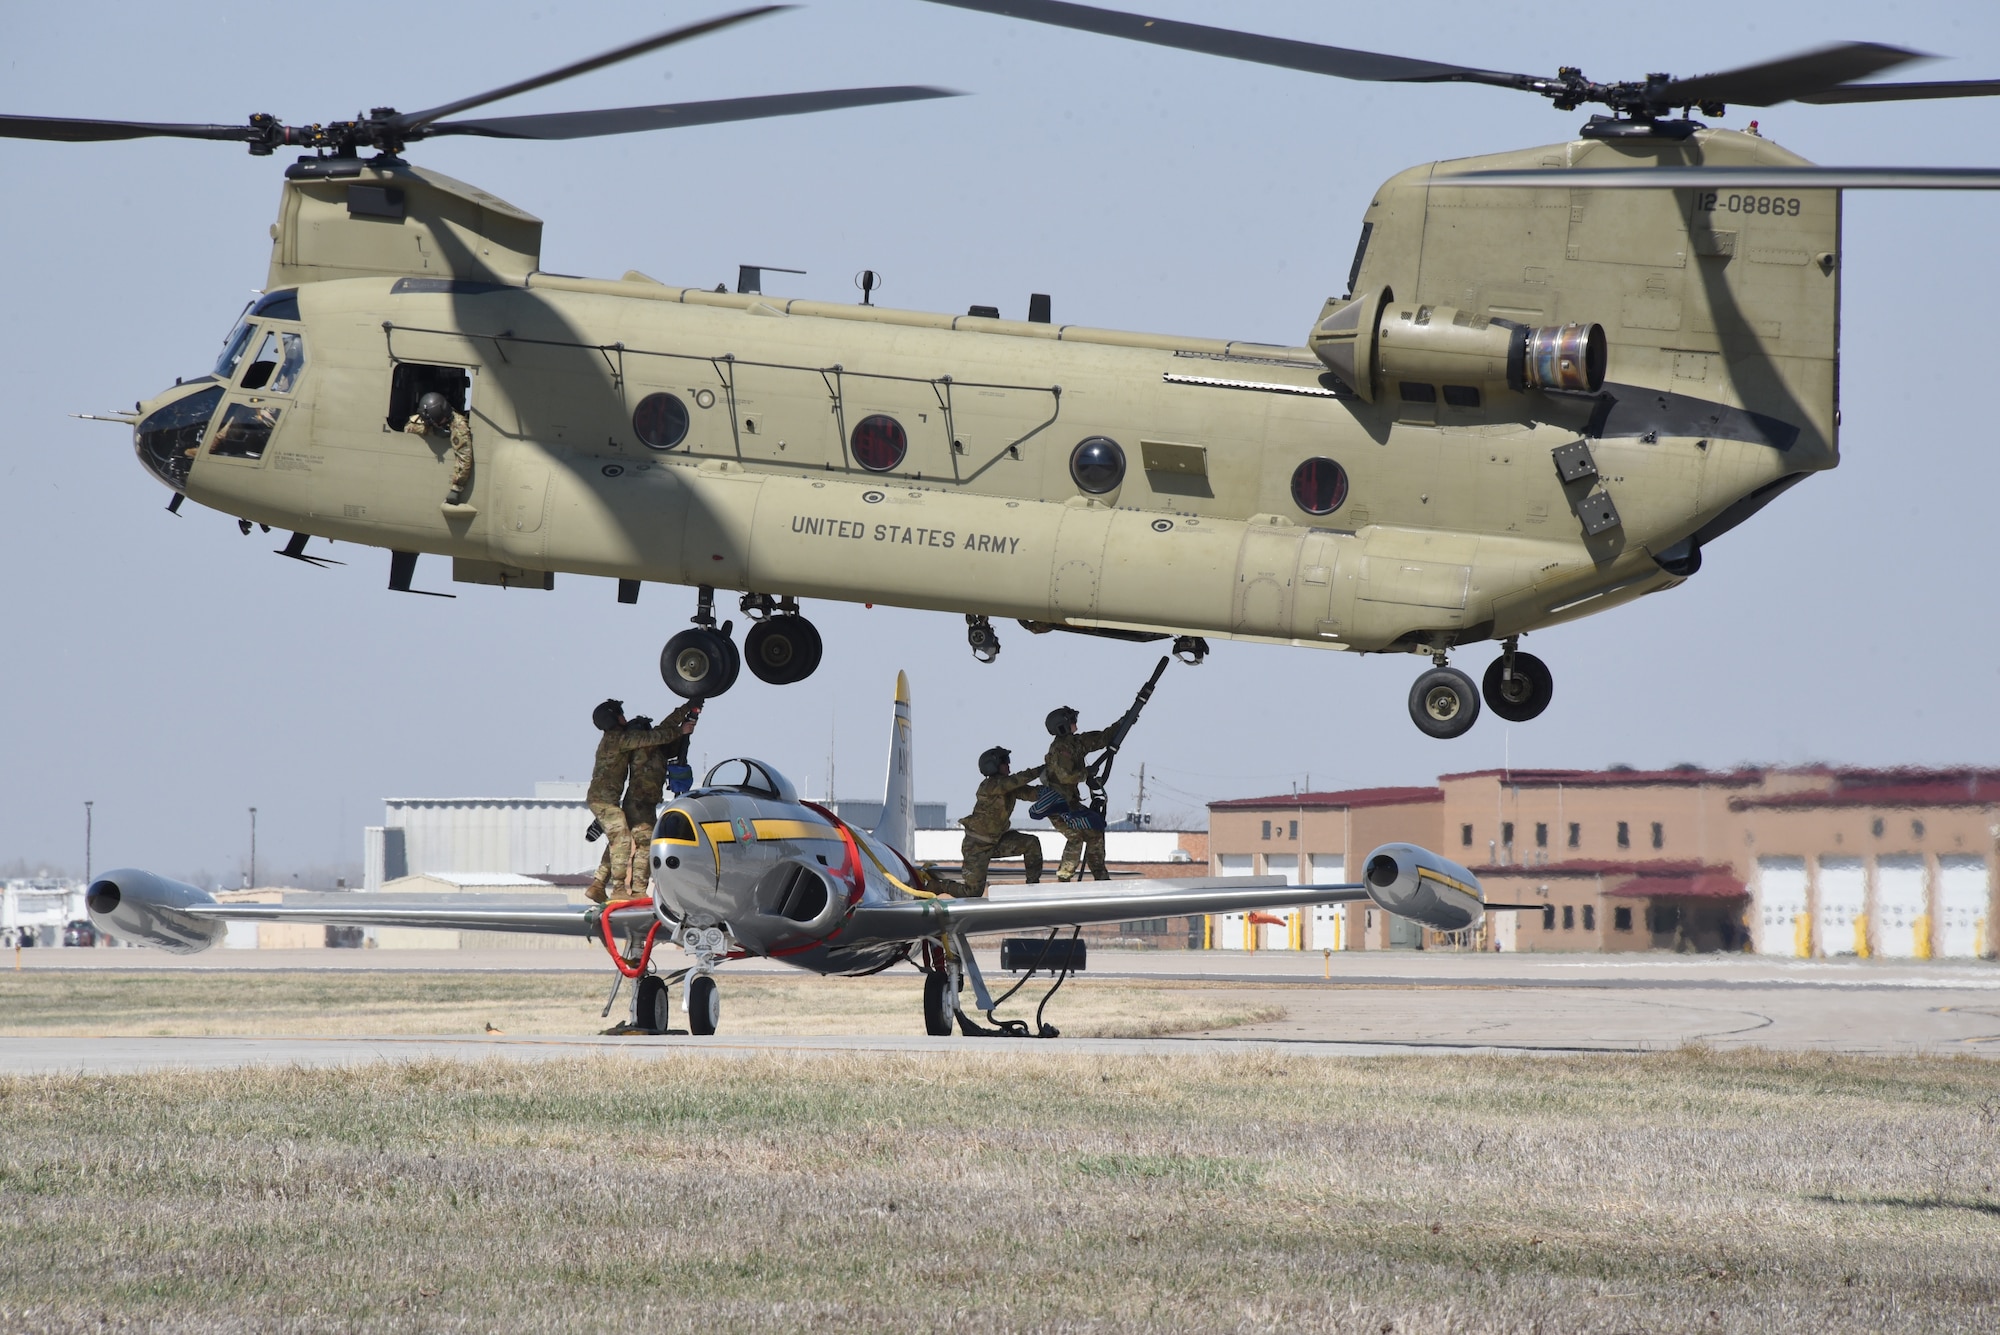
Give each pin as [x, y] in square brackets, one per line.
[244, 432]
[412, 380]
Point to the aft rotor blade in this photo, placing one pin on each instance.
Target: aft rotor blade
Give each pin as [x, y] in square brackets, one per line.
[1906, 92]
[418, 119]
[93, 131]
[1789, 78]
[1710, 178]
[1284, 52]
[676, 115]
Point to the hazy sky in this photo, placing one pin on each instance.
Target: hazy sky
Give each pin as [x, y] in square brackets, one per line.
[177, 673]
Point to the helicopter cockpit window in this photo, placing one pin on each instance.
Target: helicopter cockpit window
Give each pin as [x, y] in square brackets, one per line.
[751, 776]
[244, 431]
[278, 305]
[292, 363]
[233, 350]
[258, 373]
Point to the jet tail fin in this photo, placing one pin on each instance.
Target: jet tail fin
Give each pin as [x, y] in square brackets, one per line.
[898, 826]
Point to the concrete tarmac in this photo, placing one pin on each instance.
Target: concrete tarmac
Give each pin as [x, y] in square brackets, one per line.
[1351, 1005]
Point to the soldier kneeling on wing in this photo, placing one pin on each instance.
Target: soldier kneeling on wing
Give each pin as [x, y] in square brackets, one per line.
[988, 830]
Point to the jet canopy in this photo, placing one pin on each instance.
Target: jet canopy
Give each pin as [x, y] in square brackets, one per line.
[754, 777]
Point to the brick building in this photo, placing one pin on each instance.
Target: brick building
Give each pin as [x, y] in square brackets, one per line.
[1808, 861]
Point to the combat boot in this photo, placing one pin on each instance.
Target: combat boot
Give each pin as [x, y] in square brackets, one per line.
[595, 891]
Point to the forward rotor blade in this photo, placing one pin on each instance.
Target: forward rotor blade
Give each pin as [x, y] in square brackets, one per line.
[1284, 52]
[676, 115]
[92, 131]
[1906, 92]
[419, 119]
[1789, 78]
[1712, 178]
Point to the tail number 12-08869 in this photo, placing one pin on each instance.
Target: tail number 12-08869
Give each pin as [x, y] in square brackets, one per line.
[1709, 201]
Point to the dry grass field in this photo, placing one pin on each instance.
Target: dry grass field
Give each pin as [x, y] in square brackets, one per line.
[257, 1004]
[980, 1190]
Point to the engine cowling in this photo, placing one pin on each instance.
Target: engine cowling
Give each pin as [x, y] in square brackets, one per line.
[1375, 345]
[140, 906]
[1416, 883]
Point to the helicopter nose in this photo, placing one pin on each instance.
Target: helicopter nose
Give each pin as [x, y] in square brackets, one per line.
[171, 429]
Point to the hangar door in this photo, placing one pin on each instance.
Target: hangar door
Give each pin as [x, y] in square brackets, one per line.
[1902, 920]
[1229, 927]
[1781, 906]
[1962, 904]
[1841, 925]
[1329, 921]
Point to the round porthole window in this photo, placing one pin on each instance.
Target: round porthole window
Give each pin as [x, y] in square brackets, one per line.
[879, 442]
[1097, 464]
[1319, 486]
[660, 421]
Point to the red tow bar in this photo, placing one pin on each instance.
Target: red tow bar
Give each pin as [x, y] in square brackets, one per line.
[611, 946]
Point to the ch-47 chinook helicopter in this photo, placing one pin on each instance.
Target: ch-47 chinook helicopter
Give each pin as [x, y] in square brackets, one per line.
[741, 867]
[1544, 392]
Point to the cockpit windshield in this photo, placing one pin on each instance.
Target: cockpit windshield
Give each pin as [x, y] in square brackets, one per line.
[233, 349]
[280, 359]
[751, 776]
[169, 439]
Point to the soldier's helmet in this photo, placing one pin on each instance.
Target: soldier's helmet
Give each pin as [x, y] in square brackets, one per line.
[994, 760]
[1060, 720]
[638, 723]
[606, 715]
[433, 408]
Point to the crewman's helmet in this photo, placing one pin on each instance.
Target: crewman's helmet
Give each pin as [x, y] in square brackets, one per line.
[435, 409]
[607, 715]
[1060, 721]
[995, 761]
[638, 723]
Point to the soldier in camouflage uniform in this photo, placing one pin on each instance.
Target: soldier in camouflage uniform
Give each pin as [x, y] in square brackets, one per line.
[607, 786]
[434, 414]
[988, 830]
[647, 783]
[1064, 770]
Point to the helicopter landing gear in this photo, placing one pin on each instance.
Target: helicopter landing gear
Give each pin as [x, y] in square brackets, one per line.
[1190, 649]
[985, 642]
[1518, 686]
[1443, 702]
[702, 660]
[782, 647]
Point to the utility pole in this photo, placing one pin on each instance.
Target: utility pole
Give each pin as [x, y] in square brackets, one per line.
[253, 848]
[1139, 816]
[86, 842]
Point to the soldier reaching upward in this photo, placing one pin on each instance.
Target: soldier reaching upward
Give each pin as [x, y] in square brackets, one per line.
[656, 769]
[1064, 770]
[988, 830]
[435, 414]
[607, 787]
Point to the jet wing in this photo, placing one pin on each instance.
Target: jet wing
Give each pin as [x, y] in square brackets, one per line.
[548, 919]
[1008, 910]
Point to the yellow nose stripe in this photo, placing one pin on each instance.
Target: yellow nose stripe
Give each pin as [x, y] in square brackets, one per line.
[794, 829]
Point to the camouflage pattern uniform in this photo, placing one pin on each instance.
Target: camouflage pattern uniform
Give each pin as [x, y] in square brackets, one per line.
[607, 786]
[988, 832]
[1064, 770]
[461, 450]
[645, 786]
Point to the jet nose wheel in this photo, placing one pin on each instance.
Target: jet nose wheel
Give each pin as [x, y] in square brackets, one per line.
[1443, 703]
[1520, 691]
[699, 663]
[704, 1003]
[782, 649]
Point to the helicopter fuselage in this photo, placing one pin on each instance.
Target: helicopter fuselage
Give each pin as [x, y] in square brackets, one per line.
[633, 430]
